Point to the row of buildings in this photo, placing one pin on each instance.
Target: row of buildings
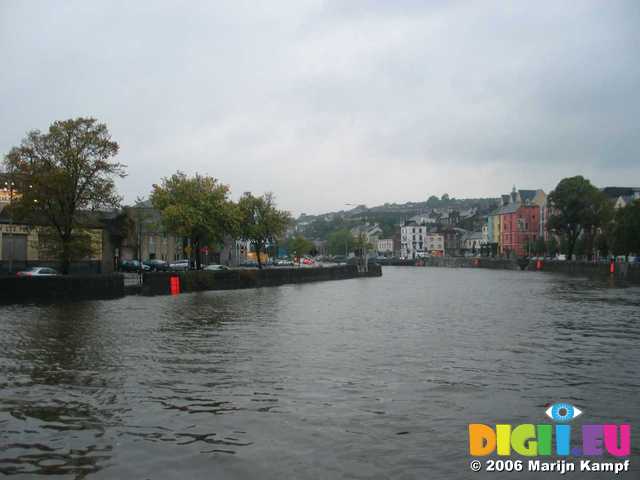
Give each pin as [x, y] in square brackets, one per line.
[134, 232]
[521, 220]
[511, 229]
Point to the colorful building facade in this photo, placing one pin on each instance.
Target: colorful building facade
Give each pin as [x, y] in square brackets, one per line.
[520, 228]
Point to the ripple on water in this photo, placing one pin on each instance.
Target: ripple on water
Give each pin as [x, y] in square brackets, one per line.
[357, 378]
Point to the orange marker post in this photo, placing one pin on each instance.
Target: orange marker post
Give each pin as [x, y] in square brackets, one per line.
[174, 284]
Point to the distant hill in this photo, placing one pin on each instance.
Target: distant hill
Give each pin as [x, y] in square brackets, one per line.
[388, 215]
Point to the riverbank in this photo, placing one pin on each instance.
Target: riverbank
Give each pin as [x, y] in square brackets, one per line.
[164, 283]
[61, 288]
[624, 272]
[65, 288]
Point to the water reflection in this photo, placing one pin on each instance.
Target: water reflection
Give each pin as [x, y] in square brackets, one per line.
[58, 394]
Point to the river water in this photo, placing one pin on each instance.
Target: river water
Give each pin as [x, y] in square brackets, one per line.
[365, 378]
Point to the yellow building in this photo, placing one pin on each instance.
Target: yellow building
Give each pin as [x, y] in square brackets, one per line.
[24, 245]
[494, 226]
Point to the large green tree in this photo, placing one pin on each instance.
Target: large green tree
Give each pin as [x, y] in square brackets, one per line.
[626, 230]
[340, 242]
[196, 208]
[577, 208]
[299, 246]
[261, 222]
[61, 174]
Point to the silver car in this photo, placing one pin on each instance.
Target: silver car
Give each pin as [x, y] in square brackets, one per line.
[216, 268]
[180, 265]
[38, 272]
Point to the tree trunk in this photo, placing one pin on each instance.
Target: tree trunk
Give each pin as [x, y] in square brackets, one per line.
[66, 256]
[258, 250]
[196, 251]
[589, 235]
[571, 245]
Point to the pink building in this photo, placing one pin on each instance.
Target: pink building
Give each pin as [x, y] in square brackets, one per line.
[520, 225]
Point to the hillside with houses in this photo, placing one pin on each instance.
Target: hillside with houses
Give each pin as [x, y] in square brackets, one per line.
[513, 224]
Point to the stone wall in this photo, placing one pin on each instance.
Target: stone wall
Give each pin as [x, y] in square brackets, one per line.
[627, 272]
[158, 283]
[60, 288]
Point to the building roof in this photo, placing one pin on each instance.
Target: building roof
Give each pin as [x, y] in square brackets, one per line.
[615, 192]
[527, 195]
[509, 208]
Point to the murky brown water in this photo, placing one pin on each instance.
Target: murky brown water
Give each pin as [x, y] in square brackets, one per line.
[370, 378]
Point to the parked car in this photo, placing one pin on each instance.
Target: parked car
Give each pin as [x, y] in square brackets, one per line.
[216, 268]
[180, 265]
[157, 265]
[283, 262]
[133, 266]
[38, 272]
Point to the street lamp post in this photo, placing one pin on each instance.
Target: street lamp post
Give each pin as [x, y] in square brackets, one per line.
[9, 187]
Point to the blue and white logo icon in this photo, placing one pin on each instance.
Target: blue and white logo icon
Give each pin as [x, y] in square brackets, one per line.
[563, 412]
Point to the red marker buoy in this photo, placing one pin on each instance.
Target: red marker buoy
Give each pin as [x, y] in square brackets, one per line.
[174, 284]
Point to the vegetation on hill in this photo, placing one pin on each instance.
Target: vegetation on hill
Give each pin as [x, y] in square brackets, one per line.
[390, 215]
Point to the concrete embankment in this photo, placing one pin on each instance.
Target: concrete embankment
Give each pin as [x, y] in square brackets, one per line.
[160, 283]
[625, 272]
[61, 288]
[463, 262]
[107, 286]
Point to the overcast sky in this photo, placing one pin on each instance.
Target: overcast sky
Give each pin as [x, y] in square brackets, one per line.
[333, 102]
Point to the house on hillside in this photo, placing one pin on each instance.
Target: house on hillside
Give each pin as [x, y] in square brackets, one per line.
[371, 231]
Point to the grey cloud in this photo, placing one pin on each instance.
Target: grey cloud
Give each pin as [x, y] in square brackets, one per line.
[333, 102]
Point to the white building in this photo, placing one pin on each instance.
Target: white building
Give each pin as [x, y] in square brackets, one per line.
[415, 241]
[385, 246]
[472, 242]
